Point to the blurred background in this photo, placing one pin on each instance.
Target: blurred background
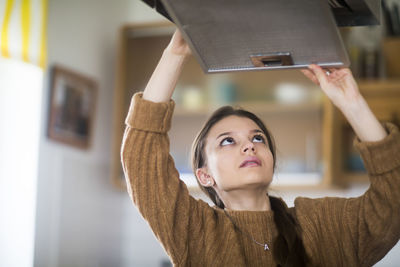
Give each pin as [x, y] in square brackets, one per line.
[67, 72]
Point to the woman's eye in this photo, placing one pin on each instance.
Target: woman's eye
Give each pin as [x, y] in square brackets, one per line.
[258, 139]
[227, 141]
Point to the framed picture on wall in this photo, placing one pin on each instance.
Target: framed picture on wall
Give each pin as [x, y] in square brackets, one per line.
[71, 108]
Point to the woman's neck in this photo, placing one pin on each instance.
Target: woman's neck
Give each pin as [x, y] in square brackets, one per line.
[252, 200]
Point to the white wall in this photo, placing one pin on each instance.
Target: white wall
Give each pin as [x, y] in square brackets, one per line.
[20, 101]
[81, 219]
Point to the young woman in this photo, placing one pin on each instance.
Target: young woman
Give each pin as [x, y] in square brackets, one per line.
[233, 160]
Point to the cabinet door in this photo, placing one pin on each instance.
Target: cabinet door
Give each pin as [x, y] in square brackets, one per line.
[386, 110]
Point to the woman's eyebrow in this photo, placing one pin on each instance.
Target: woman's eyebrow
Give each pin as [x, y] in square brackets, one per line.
[226, 133]
[257, 131]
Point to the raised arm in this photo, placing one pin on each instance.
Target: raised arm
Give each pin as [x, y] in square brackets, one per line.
[357, 231]
[163, 81]
[152, 180]
[342, 90]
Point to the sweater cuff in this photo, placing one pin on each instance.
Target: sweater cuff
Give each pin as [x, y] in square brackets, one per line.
[149, 116]
[384, 155]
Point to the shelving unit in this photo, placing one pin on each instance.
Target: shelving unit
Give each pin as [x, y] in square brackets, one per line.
[257, 107]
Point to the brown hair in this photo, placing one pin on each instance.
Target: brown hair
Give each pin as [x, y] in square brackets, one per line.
[288, 248]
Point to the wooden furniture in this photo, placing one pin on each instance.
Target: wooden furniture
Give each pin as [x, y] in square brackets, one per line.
[391, 53]
[306, 130]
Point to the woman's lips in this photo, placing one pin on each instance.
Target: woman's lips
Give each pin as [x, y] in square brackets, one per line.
[250, 162]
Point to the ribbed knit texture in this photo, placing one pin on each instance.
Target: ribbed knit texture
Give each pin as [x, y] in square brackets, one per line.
[335, 231]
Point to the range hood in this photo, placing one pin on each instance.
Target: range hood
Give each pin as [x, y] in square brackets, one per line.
[238, 35]
[356, 12]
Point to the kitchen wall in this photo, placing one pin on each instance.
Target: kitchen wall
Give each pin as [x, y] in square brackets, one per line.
[19, 143]
[81, 219]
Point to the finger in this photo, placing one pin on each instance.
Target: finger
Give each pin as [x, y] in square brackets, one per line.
[347, 71]
[307, 73]
[338, 73]
[327, 72]
[319, 73]
[310, 76]
[342, 70]
[335, 71]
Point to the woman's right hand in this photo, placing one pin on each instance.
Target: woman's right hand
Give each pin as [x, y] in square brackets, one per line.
[163, 81]
[178, 45]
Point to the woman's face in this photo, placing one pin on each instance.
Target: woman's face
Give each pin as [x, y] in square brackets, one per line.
[237, 155]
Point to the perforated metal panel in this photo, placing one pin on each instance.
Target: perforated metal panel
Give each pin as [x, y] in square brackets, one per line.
[232, 35]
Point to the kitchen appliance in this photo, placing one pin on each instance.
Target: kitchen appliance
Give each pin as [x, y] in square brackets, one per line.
[239, 35]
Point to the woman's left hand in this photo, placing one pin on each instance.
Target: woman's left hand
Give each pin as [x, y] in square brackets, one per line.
[338, 84]
[341, 88]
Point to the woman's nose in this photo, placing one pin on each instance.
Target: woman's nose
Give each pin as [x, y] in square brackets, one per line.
[249, 146]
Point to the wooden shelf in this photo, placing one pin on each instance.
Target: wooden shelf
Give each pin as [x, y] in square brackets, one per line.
[256, 107]
[374, 85]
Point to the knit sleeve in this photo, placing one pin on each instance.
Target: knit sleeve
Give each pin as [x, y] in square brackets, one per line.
[153, 182]
[358, 231]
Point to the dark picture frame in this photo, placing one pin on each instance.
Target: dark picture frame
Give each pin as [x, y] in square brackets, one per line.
[71, 108]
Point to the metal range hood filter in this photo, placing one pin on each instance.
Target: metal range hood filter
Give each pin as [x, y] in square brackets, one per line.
[237, 35]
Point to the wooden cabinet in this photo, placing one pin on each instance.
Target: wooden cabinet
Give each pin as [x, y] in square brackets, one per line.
[307, 130]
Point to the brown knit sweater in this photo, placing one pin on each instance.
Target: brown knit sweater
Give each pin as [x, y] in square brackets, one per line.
[335, 231]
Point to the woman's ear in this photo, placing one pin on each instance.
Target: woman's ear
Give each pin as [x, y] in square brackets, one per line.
[204, 178]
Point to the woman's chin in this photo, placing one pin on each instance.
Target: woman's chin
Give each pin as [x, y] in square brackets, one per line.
[256, 181]
[256, 175]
